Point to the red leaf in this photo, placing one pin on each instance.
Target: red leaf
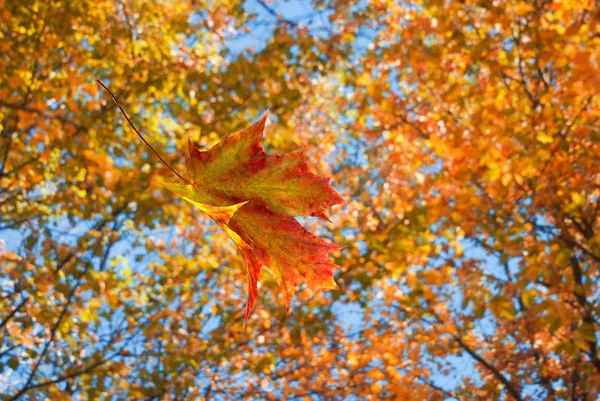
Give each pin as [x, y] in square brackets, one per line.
[254, 198]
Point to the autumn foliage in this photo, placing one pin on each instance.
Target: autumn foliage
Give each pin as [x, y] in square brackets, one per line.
[463, 136]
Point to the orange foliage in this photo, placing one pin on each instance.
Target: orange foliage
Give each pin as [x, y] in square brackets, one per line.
[463, 135]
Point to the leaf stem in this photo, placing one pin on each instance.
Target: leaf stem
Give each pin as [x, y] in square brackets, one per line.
[140, 135]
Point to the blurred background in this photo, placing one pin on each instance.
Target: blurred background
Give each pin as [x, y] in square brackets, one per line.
[464, 136]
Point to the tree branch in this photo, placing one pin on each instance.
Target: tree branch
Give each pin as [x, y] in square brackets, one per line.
[276, 15]
[12, 313]
[43, 113]
[510, 387]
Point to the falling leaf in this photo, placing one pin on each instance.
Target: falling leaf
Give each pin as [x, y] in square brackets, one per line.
[254, 198]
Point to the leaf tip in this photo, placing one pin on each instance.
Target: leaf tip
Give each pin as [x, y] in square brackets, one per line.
[263, 120]
[321, 215]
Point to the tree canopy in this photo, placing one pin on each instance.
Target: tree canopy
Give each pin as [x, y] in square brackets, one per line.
[464, 137]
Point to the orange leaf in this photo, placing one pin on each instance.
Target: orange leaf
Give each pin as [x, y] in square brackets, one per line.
[254, 198]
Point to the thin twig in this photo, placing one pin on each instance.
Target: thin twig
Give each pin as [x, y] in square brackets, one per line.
[276, 15]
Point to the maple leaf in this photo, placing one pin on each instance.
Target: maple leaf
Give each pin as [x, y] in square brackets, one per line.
[255, 197]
